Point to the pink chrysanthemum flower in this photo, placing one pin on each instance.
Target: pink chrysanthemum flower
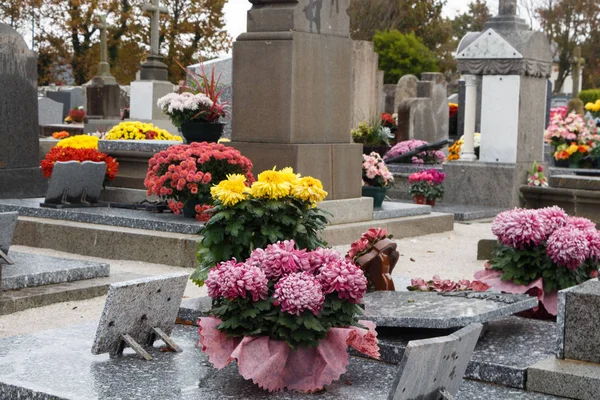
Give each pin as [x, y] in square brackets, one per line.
[553, 217]
[256, 257]
[322, 256]
[519, 228]
[232, 280]
[583, 224]
[299, 292]
[345, 278]
[283, 258]
[568, 246]
[593, 238]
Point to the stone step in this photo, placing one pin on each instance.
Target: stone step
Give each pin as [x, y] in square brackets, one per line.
[177, 249]
[31, 270]
[12, 301]
[572, 379]
[575, 182]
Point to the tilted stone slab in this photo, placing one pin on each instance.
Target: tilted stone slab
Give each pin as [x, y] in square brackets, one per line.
[75, 182]
[8, 222]
[441, 310]
[134, 308]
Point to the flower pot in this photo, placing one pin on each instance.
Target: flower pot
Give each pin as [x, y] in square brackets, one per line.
[381, 150]
[196, 131]
[430, 202]
[377, 193]
[419, 199]
[189, 208]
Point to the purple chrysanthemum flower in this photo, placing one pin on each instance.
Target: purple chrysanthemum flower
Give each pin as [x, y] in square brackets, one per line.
[322, 256]
[298, 292]
[583, 224]
[553, 217]
[280, 259]
[568, 246]
[593, 237]
[519, 228]
[232, 280]
[345, 278]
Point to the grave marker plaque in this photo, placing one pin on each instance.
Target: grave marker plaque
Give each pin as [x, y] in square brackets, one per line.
[75, 184]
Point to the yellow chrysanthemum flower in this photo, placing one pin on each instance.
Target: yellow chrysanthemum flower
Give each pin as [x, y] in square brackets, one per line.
[289, 175]
[230, 191]
[79, 142]
[135, 130]
[271, 184]
[309, 189]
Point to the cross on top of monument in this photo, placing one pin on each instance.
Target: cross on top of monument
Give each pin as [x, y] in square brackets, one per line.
[507, 7]
[103, 45]
[155, 9]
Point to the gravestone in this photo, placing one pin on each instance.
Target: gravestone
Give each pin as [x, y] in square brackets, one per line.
[137, 311]
[439, 104]
[75, 184]
[406, 88]
[20, 173]
[70, 98]
[389, 91]
[49, 111]
[365, 94]
[433, 369]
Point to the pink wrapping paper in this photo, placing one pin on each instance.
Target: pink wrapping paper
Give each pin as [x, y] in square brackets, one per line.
[535, 288]
[273, 365]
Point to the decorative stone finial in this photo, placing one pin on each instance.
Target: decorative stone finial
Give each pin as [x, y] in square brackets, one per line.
[507, 7]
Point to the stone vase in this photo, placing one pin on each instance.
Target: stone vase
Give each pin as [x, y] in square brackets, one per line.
[197, 131]
[378, 265]
[377, 193]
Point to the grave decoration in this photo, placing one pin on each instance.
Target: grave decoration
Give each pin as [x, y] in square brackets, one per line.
[135, 130]
[376, 254]
[571, 138]
[455, 151]
[60, 135]
[426, 186]
[561, 110]
[64, 154]
[376, 177]
[437, 284]
[198, 109]
[75, 184]
[423, 157]
[79, 142]
[287, 316]
[540, 252]
[389, 121]
[280, 205]
[536, 177]
[184, 174]
[375, 135]
[76, 115]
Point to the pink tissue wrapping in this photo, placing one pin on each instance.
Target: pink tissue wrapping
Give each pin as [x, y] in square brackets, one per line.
[273, 365]
[535, 288]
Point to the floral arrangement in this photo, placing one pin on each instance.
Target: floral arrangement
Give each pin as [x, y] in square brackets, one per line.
[366, 243]
[452, 110]
[426, 157]
[388, 121]
[428, 183]
[446, 285]
[455, 151]
[76, 115]
[279, 205]
[561, 110]
[594, 108]
[60, 135]
[542, 250]
[536, 177]
[184, 174]
[374, 133]
[186, 107]
[79, 142]
[374, 171]
[288, 301]
[571, 137]
[78, 154]
[135, 130]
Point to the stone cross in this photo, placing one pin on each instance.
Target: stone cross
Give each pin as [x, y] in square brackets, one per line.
[103, 42]
[155, 9]
[507, 7]
[576, 62]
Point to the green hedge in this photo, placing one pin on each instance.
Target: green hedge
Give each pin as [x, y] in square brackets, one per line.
[589, 96]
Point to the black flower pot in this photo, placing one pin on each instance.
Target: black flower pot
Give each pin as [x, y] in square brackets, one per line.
[195, 131]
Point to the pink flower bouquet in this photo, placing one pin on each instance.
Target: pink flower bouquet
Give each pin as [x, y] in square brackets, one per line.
[542, 251]
[425, 157]
[374, 171]
[428, 184]
[287, 316]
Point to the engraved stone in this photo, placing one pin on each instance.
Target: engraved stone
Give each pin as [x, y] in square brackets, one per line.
[74, 182]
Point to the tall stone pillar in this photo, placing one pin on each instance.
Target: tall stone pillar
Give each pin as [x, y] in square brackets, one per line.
[292, 92]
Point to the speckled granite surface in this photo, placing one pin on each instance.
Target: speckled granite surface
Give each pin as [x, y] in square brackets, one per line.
[165, 222]
[31, 270]
[58, 364]
[441, 311]
[141, 146]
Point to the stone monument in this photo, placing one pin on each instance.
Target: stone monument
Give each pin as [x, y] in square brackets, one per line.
[153, 80]
[513, 64]
[292, 92]
[577, 62]
[20, 173]
[367, 83]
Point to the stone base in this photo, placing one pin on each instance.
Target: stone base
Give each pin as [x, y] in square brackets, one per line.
[573, 379]
[338, 166]
[22, 183]
[153, 69]
[144, 96]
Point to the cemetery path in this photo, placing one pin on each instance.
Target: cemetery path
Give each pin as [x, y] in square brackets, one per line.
[451, 255]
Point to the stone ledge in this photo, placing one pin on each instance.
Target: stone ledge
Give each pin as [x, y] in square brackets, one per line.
[572, 379]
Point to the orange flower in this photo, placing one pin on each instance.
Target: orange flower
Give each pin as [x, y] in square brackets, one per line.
[60, 135]
[583, 148]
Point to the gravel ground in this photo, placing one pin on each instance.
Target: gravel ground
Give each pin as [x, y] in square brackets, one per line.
[451, 255]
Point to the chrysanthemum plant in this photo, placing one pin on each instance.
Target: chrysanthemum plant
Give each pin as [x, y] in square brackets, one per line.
[375, 172]
[280, 205]
[546, 243]
[287, 294]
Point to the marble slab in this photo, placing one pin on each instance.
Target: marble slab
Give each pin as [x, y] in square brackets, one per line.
[135, 308]
[441, 310]
[65, 369]
[164, 222]
[32, 270]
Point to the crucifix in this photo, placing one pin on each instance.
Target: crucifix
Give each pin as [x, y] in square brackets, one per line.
[155, 9]
[103, 46]
[576, 62]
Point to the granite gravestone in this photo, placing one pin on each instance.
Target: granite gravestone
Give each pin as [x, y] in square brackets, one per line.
[49, 111]
[20, 173]
[8, 222]
[70, 98]
[433, 369]
[138, 311]
[406, 88]
[75, 184]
